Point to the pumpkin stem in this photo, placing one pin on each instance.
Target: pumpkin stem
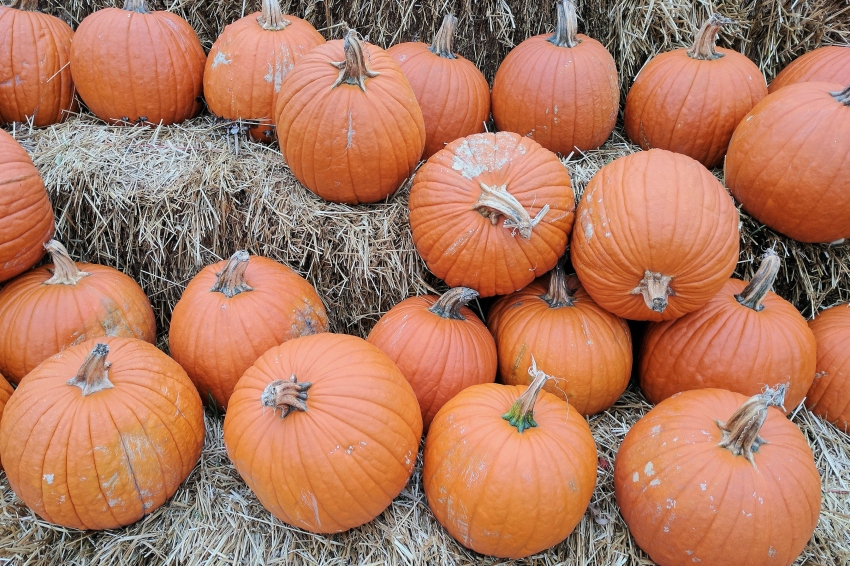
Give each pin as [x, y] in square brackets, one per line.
[521, 414]
[567, 26]
[28, 5]
[741, 431]
[449, 305]
[444, 41]
[559, 294]
[353, 71]
[231, 280]
[93, 375]
[65, 271]
[704, 42]
[272, 18]
[138, 6]
[497, 200]
[842, 96]
[655, 289]
[286, 395]
[754, 293]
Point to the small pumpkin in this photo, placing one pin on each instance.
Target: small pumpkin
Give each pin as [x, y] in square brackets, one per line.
[829, 64]
[233, 311]
[560, 90]
[508, 474]
[453, 94]
[324, 429]
[5, 392]
[829, 396]
[439, 345]
[248, 62]
[711, 477]
[57, 306]
[491, 212]
[108, 446]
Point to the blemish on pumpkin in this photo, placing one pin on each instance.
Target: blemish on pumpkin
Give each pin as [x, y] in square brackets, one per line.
[656, 430]
[648, 469]
[771, 551]
[703, 486]
[350, 132]
[655, 482]
[48, 478]
[636, 477]
[220, 59]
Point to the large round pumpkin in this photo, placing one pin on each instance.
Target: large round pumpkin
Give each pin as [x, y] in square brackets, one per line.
[710, 477]
[324, 429]
[135, 66]
[26, 217]
[439, 345]
[109, 445]
[348, 122]
[56, 306]
[561, 90]
[830, 64]
[233, 311]
[829, 396]
[5, 392]
[248, 62]
[657, 236]
[508, 474]
[453, 94]
[491, 212]
[690, 100]
[787, 163]
[35, 80]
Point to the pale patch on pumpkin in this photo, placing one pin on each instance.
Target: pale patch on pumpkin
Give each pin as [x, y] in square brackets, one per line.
[648, 469]
[656, 430]
[48, 478]
[655, 482]
[476, 156]
[349, 134]
[703, 486]
[636, 477]
[220, 59]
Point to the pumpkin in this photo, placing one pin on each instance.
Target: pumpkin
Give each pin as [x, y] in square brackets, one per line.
[491, 212]
[711, 477]
[56, 306]
[586, 349]
[35, 80]
[5, 392]
[109, 445]
[690, 100]
[453, 94]
[830, 64]
[134, 66]
[745, 338]
[560, 90]
[439, 345]
[26, 217]
[324, 429]
[248, 62]
[787, 162]
[507, 473]
[829, 396]
[658, 236]
[233, 311]
[348, 122]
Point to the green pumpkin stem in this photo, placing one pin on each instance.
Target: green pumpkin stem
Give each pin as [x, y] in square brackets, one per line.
[741, 431]
[559, 294]
[566, 29]
[93, 375]
[705, 47]
[353, 71]
[26, 5]
[521, 414]
[272, 18]
[497, 201]
[231, 280]
[655, 288]
[758, 287]
[138, 6]
[842, 96]
[65, 271]
[444, 41]
[449, 305]
[286, 396]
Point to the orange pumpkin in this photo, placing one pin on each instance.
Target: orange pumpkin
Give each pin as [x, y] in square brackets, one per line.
[324, 429]
[439, 345]
[658, 236]
[560, 90]
[452, 92]
[830, 64]
[5, 392]
[348, 122]
[108, 446]
[134, 66]
[714, 478]
[829, 396]
[491, 212]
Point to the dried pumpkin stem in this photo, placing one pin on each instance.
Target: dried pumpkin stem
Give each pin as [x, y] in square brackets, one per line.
[495, 201]
[231, 280]
[28, 5]
[272, 18]
[285, 395]
[705, 47]
[93, 375]
[566, 29]
[758, 287]
[655, 289]
[444, 41]
[449, 305]
[65, 271]
[559, 294]
[521, 414]
[842, 96]
[353, 71]
[138, 6]
[741, 431]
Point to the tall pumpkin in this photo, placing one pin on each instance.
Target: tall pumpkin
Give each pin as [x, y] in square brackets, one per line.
[657, 236]
[690, 100]
[324, 429]
[829, 396]
[560, 90]
[787, 162]
[248, 62]
[5, 392]
[491, 212]
[57, 306]
[108, 446]
[830, 64]
[348, 122]
[35, 80]
[453, 94]
[134, 66]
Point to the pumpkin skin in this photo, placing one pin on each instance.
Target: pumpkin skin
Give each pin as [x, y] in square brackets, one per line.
[356, 141]
[26, 217]
[5, 392]
[339, 460]
[633, 251]
[35, 80]
[560, 90]
[117, 452]
[690, 100]
[453, 94]
[829, 396]
[439, 345]
[793, 185]
[134, 66]
[219, 328]
[687, 499]
[830, 64]
[491, 212]
[62, 304]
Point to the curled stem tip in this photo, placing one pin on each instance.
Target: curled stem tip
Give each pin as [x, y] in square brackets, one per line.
[566, 28]
[497, 201]
[559, 294]
[449, 305]
[272, 18]
[704, 46]
[65, 271]
[655, 289]
[444, 41]
[353, 70]
[741, 431]
[761, 283]
[521, 414]
[285, 395]
[93, 375]
[231, 280]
